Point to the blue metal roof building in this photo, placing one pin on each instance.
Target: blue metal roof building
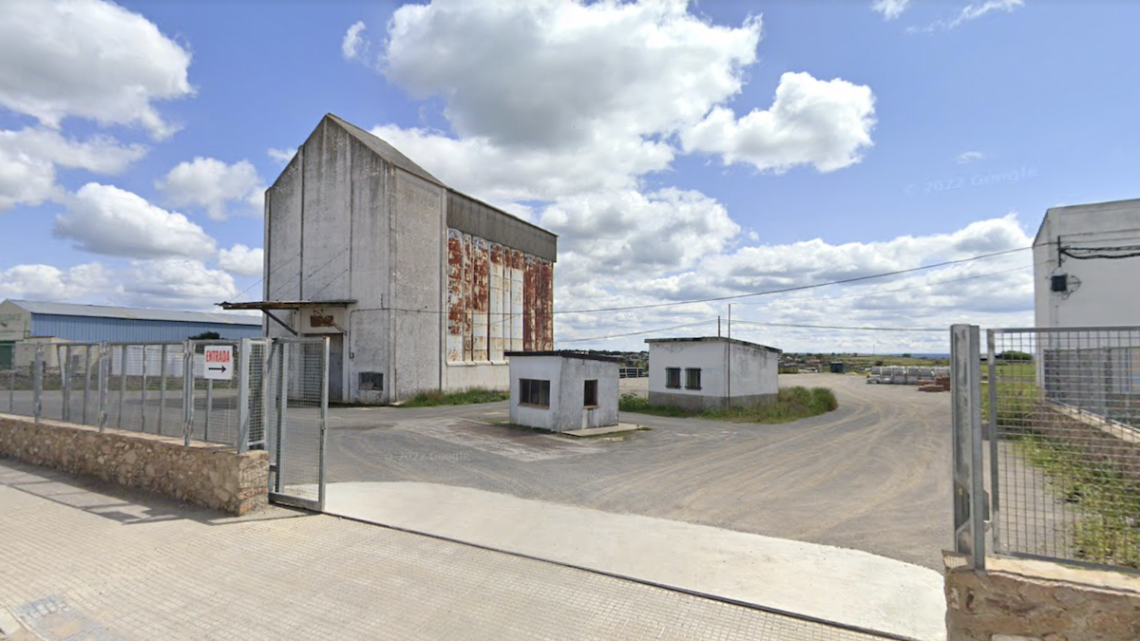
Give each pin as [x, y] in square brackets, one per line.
[96, 323]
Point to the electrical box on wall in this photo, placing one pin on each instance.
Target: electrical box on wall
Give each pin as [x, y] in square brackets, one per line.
[1060, 283]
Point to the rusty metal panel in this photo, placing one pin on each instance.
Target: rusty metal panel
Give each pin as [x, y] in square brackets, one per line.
[497, 318]
[468, 287]
[545, 318]
[454, 296]
[516, 310]
[529, 297]
[480, 297]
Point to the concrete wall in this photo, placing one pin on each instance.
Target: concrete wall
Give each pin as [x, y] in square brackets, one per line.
[1022, 600]
[209, 475]
[417, 286]
[567, 378]
[543, 368]
[754, 373]
[1100, 299]
[15, 322]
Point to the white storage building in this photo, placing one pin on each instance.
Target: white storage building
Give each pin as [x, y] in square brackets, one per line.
[711, 372]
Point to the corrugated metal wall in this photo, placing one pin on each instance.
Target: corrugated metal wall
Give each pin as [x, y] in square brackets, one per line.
[95, 329]
[499, 300]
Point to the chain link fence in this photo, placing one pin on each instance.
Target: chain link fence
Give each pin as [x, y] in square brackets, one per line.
[1063, 406]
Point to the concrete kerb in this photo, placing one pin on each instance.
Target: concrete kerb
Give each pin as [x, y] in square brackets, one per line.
[845, 589]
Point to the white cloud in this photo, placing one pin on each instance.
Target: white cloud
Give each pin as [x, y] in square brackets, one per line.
[584, 131]
[29, 157]
[103, 219]
[176, 283]
[282, 156]
[967, 13]
[88, 59]
[994, 292]
[967, 157]
[353, 44]
[210, 184]
[44, 282]
[492, 172]
[978, 9]
[823, 123]
[242, 260]
[890, 9]
[619, 232]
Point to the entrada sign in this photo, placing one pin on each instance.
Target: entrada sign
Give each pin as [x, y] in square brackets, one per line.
[219, 365]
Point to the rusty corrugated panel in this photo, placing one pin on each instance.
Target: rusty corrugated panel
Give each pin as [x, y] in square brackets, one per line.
[468, 287]
[529, 298]
[516, 311]
[546, 304]
[497, 318]
[480, 297]
[454, 296]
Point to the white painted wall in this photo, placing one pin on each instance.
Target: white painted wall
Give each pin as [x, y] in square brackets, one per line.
[567, 378]
[1107, 292]
[754, 370]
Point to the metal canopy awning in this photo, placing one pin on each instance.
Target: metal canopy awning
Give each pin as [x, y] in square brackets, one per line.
[286, 304]
[266, 305]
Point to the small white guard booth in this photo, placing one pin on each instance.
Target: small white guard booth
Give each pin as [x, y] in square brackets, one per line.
[562, 391]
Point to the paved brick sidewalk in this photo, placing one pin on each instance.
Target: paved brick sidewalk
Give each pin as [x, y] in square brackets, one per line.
[83, 561]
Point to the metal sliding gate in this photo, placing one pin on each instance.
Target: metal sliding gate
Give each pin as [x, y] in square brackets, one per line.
[1047, 446]
[296, 379]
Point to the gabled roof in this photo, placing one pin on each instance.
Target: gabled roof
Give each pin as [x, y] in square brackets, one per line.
[132, 313]
[384, 150]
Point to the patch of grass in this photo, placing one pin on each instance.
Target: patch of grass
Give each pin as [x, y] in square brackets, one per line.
[471, 396]
[1107, 530]
[792, 404]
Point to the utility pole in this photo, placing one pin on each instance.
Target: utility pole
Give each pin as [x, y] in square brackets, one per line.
[728, 359]
[718, 326]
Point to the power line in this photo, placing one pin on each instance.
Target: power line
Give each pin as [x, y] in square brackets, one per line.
[647, 331]
[786, 290]
[903, 289]
[863, 328]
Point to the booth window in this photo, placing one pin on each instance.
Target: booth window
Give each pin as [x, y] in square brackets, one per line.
[591, 396]
[673, 377]
[534, 392]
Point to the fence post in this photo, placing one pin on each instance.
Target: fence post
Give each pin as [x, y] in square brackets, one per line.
[38, 382]
[162, 388]
[282, 412]
[188, 350]
[86, 380]
[969, 493]
[992, 391]
[64, 381]
[324, 420]
[122, 381]
[104, 374]
[243, 396]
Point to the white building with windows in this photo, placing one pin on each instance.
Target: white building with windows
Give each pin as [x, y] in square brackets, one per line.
[563, 391]
[711, 372]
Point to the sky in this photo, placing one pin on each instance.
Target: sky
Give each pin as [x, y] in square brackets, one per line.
[681, 151]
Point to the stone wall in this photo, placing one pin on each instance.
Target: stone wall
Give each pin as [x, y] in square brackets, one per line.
[1022, 600]
[214, 476]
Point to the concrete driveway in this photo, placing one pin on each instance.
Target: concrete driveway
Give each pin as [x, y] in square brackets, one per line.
[874, 475]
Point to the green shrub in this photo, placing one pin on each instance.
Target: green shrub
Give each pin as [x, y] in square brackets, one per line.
[471, 396]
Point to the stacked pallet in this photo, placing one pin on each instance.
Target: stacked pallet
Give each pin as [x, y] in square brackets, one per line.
[939, 384]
